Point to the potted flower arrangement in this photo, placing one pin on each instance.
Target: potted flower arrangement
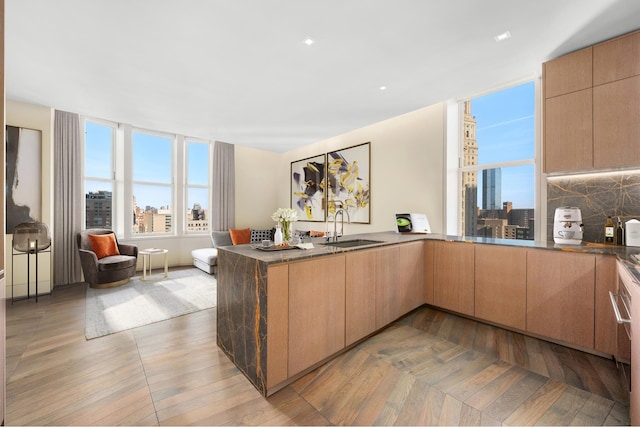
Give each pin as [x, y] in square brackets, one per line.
[285, 216]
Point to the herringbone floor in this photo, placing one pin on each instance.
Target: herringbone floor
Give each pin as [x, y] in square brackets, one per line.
[428, 368]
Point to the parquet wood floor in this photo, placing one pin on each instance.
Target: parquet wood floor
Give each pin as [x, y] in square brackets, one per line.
[430, 368]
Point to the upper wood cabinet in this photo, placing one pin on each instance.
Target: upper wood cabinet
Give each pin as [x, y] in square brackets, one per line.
[501, 285]
[454, 277]
[591, 107]
[568, 132]
[616, 59]
[616, 124]
[568, 73]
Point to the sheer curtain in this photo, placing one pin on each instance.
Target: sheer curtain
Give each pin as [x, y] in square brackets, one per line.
[68, 204]
[223, 189]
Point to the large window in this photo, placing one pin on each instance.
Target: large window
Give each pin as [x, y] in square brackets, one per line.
[498, 164]
[99, 174]
[197, 186]
[141, 182]
[152, 183]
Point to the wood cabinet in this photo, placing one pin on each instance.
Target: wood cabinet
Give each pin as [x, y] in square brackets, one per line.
[360, 295]
[560, 296]
[454, 277]
[429, 251]
[568, 132]
[616, 59]
[316, 311]
[399, 281]
[277, 324]
[568, 73]
[591, 107]
[605, 339]
[616, 124]
[501, 285]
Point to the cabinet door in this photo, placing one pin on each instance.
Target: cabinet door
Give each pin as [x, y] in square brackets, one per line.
[605, 323]
[560, 296]
[501, 285]
[454, 277]
[277, 323]
[410, 276]
[316, 311]
[360, 295]
[387, 296]
[568, 73]
[568, 132]
[429, 250]
[616, 124]
[616, 59]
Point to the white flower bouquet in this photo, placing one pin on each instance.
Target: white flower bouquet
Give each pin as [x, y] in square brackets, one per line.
[285, 216]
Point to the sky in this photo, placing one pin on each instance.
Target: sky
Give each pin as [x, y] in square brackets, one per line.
[505, 132]
[151, 162]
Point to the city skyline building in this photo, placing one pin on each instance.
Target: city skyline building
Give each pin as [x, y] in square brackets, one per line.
[492, 188]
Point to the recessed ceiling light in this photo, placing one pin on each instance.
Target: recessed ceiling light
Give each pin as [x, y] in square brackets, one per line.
[503, 36]
[309, 41]
[383, 88]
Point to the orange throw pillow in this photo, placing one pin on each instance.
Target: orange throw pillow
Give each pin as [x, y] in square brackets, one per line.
[240, 236]
[103, 245]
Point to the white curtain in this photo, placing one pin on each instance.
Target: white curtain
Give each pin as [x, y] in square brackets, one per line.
[223, 190]
[68, 204]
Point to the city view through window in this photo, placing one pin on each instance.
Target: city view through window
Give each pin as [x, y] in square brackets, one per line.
[151, 182]
[498, 165]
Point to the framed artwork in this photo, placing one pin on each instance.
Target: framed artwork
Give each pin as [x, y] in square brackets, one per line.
[24, 169]
[348, 180]
[307, 188]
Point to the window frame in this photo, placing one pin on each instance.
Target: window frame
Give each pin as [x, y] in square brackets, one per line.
[111, 180]
[187, 185]
[457, 138]
[131, 183]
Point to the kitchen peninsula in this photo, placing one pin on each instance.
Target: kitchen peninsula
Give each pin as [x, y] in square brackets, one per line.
[280, 314]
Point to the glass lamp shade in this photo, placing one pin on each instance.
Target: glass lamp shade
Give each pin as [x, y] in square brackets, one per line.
[31, 236]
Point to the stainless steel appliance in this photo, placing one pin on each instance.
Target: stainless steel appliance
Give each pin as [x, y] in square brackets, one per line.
[567, 226]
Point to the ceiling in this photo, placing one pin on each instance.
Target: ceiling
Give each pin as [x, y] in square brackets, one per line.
[239, 71]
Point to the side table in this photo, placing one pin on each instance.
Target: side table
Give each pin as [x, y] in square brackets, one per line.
[146, 259]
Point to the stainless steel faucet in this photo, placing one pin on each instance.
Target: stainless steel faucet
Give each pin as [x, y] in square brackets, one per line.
[341, 210]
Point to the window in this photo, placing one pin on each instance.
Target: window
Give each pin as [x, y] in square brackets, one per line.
[197, 186]
[98, 174]
[498, 164]
[152, 183]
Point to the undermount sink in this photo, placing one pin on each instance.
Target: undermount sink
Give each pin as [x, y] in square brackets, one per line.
[352, 243]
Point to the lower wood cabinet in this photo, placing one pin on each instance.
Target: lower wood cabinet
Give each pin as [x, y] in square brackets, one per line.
[501, 285]
[360, 295]
[561, 295]
[316, 311]
[606, 327]
[399, 276]
[453, 286]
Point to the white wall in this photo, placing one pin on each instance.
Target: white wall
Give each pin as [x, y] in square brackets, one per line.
[407, 175]
[40, 118]
[407, 168]
[258, 173]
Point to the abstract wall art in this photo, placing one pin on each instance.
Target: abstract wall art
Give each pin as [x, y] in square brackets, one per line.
[307, 188]
[348, 180]
[24, 166]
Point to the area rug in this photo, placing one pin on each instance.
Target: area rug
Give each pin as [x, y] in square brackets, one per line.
[141, 302]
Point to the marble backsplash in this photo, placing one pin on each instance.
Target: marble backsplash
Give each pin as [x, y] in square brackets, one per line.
[597, 196]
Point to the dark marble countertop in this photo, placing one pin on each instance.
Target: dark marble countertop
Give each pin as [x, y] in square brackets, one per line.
[623, 253]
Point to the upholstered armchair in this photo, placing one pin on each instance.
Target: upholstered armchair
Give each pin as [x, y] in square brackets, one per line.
[105, 262]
